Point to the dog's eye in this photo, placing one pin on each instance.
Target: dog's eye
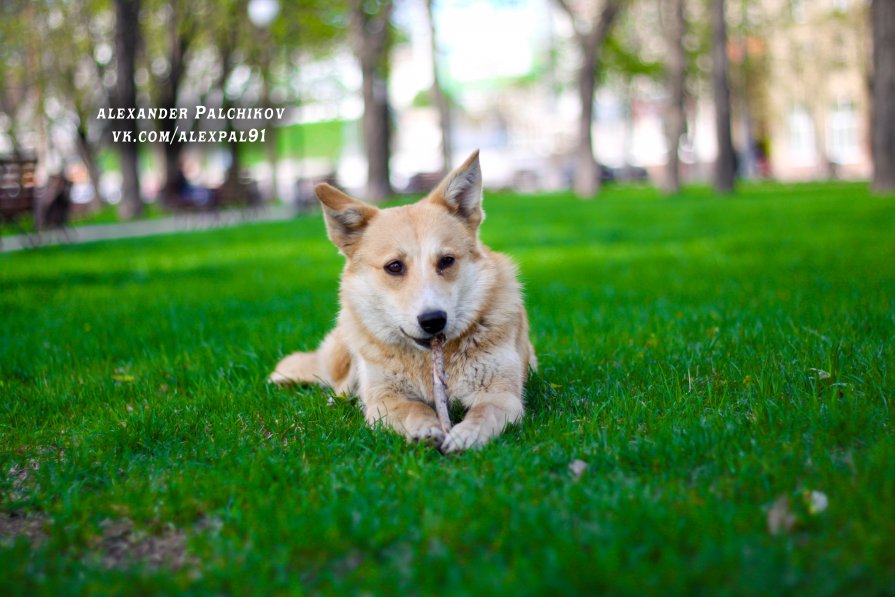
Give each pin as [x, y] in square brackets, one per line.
[395, 268]
[445, 262]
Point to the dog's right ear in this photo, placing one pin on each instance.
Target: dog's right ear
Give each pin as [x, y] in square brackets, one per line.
[346, 217]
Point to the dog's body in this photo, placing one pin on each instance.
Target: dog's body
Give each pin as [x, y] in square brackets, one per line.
[414, 272]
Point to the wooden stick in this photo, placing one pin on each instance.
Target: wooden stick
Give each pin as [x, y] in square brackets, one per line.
[439, 387]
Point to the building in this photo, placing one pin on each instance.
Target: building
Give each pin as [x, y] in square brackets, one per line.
[817, 88]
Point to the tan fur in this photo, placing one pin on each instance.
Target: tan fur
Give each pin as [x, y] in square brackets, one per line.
[371, 353]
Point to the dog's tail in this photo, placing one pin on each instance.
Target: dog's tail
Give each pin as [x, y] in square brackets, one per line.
[297, 368]
[330, 365]
[532, 358]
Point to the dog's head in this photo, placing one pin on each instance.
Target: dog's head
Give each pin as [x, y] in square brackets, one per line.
[413, 271]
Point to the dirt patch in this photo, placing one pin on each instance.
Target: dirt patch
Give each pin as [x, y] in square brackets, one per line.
[19, 476]
[19, 524]
[122, 546]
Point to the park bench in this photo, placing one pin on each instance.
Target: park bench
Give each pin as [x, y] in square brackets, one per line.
[244, 194]
[17, 192]
[190, 198]
[305, 198]
[423, 182]
[48, 207]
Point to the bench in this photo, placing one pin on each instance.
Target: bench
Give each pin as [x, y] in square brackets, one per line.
[17, 193]
[48, 207]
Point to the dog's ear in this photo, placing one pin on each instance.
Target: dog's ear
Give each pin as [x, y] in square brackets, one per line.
[346, 217]
[461, 192]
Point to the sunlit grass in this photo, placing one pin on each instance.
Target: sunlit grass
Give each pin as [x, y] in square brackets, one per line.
[705, 356]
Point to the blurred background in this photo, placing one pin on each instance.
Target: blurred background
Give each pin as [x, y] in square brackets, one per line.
[381, 96]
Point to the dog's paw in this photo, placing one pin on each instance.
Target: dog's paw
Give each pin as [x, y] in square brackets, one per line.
[279, 379]
[433, 435]
[466, 435]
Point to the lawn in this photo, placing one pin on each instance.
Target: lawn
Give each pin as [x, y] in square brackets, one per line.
[712, 360]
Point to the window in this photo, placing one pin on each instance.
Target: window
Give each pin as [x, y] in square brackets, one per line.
[842, 132]
[801, 136]
[840, 51]
[797, 10]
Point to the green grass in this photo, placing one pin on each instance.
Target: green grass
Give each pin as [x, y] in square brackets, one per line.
[680, 343]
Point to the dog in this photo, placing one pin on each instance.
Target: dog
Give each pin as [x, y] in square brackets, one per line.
[412, 273]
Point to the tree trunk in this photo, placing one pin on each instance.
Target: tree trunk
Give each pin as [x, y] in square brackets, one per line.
[230, 188]
[126, 33]
[369, 39]
[590, 41]
[725, 165]
[86, 150]
[226, 47]
[173, 169]
[883, 17]
[676, 118]
[377, 141]
[273, 160]
[440, 99]
[587, 176]
[826, 169]
[178, 47]
[270, 145]
[88, 156]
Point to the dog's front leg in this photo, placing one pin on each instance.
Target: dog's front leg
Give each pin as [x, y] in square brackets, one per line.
[413, 419]
[487, 417]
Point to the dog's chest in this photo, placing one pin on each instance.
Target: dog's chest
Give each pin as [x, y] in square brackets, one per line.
[470, 368]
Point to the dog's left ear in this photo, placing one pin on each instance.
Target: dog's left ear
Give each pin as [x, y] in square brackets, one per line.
[461, 192]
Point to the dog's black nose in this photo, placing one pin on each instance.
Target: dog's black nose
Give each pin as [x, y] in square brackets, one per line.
[432, 321]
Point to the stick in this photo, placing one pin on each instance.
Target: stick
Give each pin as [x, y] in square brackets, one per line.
[438, 384]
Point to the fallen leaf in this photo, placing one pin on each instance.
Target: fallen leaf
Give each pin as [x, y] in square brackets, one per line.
[780, 517]
[817, 501]
[577, 468]
[821, 374]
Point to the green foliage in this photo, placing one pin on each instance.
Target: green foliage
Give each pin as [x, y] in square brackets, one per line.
[424, 99]
[324, 139]
[705, 357]
[312, 25]
[620, 59]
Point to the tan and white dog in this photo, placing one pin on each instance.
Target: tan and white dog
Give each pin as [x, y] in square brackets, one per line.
[413, 272]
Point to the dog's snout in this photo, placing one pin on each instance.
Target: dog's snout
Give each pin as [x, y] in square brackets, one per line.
[432, 321]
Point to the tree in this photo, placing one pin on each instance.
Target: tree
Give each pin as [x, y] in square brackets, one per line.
[627, 61]
[127, 32]
[83, 102]
[883, 24]
[271, 53]
[16, 72]
[441, 100]
[369, 25]
[590, 35]
[74, 49]
[676, 71]
[170, 40]
[725, 163]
